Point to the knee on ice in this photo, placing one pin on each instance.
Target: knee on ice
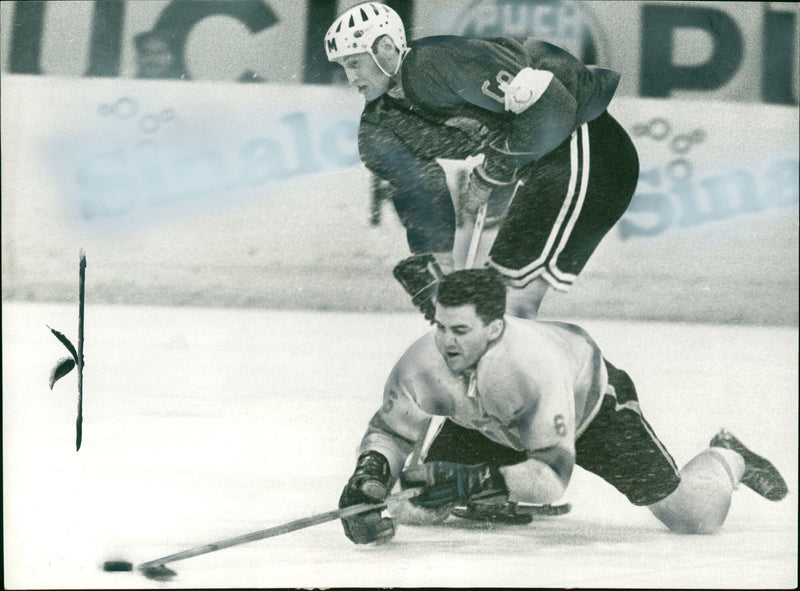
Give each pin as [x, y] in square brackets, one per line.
[696, 524]
[700, 503]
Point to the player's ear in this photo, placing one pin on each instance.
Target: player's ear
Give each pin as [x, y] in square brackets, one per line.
[495, 328]
[385, 46]
[386, 54]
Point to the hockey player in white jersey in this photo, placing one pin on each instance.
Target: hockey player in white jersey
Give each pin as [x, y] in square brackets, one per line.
[525, 401]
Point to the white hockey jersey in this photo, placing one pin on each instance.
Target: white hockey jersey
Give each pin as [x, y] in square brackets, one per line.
[538, 386]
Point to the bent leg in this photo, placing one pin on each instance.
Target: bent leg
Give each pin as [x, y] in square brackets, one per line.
[620, 446]
[569, 200]
[700, 503]
[524, 302]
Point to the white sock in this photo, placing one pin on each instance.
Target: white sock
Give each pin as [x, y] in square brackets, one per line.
[731, 461]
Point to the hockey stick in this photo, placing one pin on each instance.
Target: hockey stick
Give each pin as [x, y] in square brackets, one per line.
[480, 222]
[157, 569]
[477, 230]
[64, 365]
[81, 298]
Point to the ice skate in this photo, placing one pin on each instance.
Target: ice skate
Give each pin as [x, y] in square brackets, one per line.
[501, 510]
[492, 511]
[759, 473]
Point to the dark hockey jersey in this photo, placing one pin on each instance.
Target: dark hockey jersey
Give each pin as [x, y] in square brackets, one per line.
[455, 107]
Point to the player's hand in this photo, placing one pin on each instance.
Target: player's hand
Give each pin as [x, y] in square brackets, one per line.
[475, 194]
[479, 191]
[448, 482]
[368, 484]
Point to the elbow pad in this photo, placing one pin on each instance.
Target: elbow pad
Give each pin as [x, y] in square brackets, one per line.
[533, 482]
[526, 88]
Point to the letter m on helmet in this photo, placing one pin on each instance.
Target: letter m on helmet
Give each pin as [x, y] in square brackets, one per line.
[331, 44]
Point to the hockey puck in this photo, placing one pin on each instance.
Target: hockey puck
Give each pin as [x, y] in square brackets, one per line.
[113, 566]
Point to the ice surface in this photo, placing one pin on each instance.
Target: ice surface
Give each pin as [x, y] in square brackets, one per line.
[202, 424]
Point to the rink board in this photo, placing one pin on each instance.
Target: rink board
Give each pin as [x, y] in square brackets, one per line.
[254, 196]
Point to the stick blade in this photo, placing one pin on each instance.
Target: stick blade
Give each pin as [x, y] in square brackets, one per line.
[158, 572]
[62, 367]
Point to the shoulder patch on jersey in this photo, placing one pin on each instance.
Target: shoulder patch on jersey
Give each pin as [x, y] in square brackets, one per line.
[525, 89]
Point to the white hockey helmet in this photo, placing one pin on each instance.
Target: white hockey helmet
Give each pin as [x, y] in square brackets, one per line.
[356, 30]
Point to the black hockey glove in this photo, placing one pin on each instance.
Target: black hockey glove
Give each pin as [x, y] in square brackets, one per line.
[502, 163]
[448, 482]
[420, 275]
[368, 484]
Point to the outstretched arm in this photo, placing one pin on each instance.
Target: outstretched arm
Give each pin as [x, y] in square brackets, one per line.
[395, 429]
[390, 436]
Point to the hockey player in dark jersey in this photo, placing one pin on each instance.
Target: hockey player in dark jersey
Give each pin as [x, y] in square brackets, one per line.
[558, 171]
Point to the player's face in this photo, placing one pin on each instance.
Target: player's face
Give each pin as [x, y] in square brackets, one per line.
[363, 73]
[462, 337]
